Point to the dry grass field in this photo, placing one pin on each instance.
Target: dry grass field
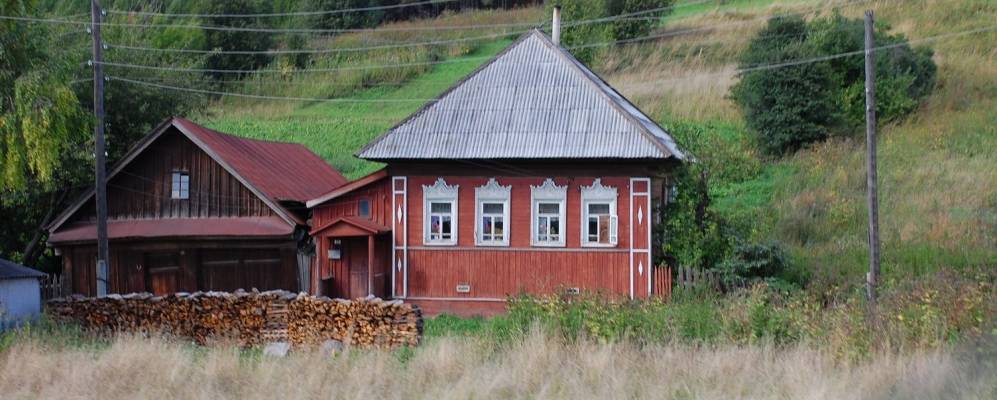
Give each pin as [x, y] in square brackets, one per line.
[535, 366]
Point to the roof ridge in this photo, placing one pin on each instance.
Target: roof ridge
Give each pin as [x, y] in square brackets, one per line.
[531, 100]
[602, 86]
[461, 81]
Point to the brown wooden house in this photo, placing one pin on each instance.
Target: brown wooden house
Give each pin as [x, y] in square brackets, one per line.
[531, 175]
[190, 209]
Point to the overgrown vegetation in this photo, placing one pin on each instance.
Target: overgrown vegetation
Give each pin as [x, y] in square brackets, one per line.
[583, 40]
[938, 310]
[796, 105]
[533, 366]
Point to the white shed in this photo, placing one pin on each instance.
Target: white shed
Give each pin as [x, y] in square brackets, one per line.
[20, 294]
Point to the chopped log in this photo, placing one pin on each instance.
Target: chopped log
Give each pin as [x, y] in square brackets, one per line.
[252, 318]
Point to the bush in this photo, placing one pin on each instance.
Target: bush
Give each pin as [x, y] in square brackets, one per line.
[627, 28]
[792, 106]
[754, 262]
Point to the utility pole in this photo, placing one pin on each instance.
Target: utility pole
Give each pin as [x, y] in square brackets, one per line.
[870, 137]
[99, 152]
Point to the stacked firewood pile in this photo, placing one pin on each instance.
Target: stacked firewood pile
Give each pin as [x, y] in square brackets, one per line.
[251, 318]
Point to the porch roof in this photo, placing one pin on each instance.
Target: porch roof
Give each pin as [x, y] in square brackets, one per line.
[350, 226]
[179, 227]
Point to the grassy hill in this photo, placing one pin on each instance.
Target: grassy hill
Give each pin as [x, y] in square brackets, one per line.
[938, 170]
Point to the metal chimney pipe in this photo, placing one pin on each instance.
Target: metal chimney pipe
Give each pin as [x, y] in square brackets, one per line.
[555, 31]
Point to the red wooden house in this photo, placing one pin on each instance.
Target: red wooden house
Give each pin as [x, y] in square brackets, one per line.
[530, 175]
[191, 209]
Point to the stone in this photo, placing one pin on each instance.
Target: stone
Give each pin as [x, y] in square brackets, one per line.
[277, 349]
[331, 347]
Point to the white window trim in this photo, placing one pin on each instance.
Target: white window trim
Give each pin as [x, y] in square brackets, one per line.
[439, 192]
[492, 192]
[597, 193]
[548, 192]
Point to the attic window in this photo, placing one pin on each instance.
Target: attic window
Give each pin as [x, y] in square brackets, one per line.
[363, 208]
[181, 186]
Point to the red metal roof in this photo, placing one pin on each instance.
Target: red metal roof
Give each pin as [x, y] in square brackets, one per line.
[349, 187]
[282, 171]
[159, 228]
[361, 223]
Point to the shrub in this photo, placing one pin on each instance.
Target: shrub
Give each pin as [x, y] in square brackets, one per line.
[621, 29]
[791, 106]
[754, 262]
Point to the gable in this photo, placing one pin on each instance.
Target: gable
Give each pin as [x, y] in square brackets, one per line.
[221, 191]
[142, 189]
[532, 101]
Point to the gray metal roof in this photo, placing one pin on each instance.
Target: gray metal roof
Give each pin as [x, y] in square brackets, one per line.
[11, 270]
[533, 101]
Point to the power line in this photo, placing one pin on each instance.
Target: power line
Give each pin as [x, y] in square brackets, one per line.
[264, 97]
[352, 30]
[437, 62]
[277, 71]
[286, 14]
[762, 67]
[740, 70]
[321, 51]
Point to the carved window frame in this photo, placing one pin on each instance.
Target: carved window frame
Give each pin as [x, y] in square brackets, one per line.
[548, 192]
[492, 192]
[597, 193]
[440, 192]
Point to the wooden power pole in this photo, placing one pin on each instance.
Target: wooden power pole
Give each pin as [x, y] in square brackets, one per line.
[870, 136]
[99, 152]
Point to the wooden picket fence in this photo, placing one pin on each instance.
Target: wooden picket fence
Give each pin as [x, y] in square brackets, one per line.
[664, 280]
[52, 286]
[661, 281]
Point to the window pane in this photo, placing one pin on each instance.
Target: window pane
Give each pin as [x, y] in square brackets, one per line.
[498, 228]
[364, 207]
[434, 224]
[542, 226]
[493, 208]
[599, 208]
[440, 207]
[603, 229]
[593, 229]
[486, 225]
[446, 227]
[555, 228]
[550, 208]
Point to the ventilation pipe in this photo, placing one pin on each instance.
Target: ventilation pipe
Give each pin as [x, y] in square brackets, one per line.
[555, 31]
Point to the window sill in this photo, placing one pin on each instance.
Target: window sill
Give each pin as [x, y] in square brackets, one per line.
[603, 245]
[491, 244]
[453, 243]
[536, 244]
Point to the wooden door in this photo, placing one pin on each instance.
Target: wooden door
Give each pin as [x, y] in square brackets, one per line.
[162, 272]
[357, 248]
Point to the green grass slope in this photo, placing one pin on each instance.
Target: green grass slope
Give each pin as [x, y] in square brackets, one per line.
[335, 130]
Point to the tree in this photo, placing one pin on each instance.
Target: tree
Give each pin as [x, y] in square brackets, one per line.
[43, 131]
[592, 33]
[237, 40]
[792, 106]
[345, 20]
[46, 156]
[40, 117]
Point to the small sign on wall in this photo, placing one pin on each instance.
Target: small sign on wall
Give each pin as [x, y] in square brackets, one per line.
[335, 254]
[463, 288]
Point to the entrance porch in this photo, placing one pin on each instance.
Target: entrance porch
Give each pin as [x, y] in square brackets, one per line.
[353, 258]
